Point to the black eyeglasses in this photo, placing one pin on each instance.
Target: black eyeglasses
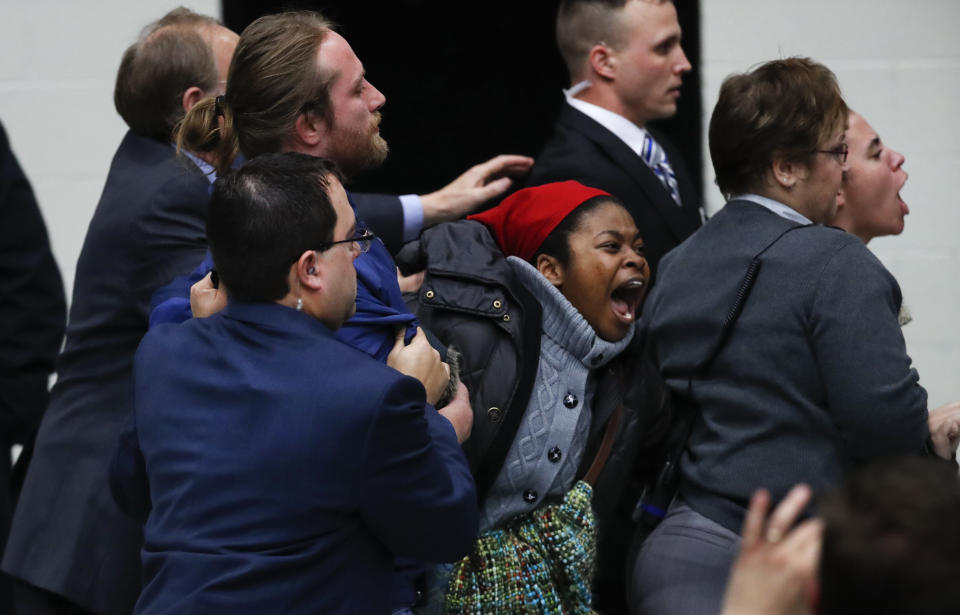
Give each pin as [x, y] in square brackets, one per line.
[362, 237]
[840, 153]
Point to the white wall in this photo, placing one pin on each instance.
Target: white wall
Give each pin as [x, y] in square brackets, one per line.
[898, 64]
[58, 62]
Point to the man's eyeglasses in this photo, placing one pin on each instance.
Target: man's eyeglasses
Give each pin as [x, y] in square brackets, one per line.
[362, 237]
[840, 153]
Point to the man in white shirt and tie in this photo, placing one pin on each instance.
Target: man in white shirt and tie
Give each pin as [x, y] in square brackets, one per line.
[626, 67]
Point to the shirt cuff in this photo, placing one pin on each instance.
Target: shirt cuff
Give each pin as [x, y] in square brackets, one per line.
[412, 216]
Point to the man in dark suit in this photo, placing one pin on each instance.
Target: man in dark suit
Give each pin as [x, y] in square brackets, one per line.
[70, 548]
[287, 469]
[626, 67]
[33, 314]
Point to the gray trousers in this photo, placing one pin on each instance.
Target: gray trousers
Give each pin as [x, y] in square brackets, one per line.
[683, 566]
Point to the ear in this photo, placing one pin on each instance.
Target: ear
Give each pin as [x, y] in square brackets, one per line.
[310, 129]
[841, 198]
[191, 97]
[550, 268]
[310, 271]
[786, 173]
[603, 61]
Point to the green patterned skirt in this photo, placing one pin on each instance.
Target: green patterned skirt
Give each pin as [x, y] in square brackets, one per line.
[540, 562]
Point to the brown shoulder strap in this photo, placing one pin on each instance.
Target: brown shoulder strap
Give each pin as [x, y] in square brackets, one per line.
[606, 445]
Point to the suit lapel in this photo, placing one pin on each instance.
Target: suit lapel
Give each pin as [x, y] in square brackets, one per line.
[681, 221]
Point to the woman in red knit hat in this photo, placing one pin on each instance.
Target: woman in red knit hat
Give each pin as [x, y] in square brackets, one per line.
[540, 294]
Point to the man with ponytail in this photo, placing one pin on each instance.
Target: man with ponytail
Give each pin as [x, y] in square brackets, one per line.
[296, 85]
[71, 550]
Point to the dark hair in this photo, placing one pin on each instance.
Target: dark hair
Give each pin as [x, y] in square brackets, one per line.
[784, 108]
[263, 216]
[891, 541]
[170, 57]
[273, 79]
[557, 243]
[581, 24]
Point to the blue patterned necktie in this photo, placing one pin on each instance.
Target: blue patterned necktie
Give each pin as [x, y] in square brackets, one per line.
[656, 159]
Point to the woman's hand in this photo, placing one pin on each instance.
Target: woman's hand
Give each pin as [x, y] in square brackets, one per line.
[459, 413]
[945, 429]
[775, 573]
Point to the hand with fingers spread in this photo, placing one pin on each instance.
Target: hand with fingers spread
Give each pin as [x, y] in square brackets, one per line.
[945, 429]
[420, 360]
[477, 185]
[776, 570]
[206, 298]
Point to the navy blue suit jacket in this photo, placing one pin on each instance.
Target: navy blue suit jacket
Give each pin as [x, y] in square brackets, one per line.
[68, 536]
[33, 314]
[33, 311]
[286, 469]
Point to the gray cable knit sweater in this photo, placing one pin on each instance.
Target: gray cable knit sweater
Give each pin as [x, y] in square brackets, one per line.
[548, 448]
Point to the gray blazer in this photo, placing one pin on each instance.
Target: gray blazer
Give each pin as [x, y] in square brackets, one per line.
[815, 376]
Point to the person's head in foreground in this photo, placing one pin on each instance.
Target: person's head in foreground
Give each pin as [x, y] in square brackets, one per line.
[778, 131]
[869, 203]
[282, 231]
[582, 241]
[886, 543]
[891, 541]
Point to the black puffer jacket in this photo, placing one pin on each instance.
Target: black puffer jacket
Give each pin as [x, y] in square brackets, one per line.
[471, 300]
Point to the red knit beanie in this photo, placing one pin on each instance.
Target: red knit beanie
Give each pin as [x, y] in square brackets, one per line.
[524, 219]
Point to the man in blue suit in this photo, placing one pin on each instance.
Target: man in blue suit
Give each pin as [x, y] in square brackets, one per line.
[287, 469]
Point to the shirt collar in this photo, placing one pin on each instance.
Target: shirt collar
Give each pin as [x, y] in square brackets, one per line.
[782, 210]
[627, 131]
[205, 167]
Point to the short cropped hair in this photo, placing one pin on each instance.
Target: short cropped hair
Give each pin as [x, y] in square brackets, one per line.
[581, 24]
[170, 56]
[263, 216]
[891, 541]
[784, 108]
[273, 79]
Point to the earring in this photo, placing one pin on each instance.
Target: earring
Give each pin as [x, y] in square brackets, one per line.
[299, 306]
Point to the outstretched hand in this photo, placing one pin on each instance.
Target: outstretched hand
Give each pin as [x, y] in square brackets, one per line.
[477, 185]
[775, 573]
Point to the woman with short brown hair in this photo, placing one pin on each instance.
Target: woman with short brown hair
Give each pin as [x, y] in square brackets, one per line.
[776, 335]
